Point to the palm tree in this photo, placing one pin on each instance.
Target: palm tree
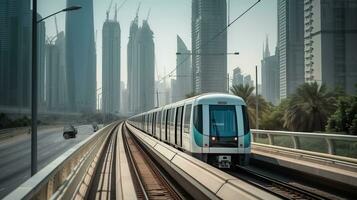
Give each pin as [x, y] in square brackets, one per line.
[309, 108]
[246, 93]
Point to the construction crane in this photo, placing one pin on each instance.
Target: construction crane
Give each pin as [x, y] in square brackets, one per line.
[147, 17]
[56, 25]
[122, 4]
[117, 9]
[137, 10]
[110, 7]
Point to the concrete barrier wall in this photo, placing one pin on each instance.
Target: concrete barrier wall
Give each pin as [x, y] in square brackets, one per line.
[60, 178]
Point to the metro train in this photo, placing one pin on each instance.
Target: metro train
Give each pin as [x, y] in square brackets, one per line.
[213, 127]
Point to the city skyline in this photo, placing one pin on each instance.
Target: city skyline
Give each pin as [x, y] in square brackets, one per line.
[177, 16]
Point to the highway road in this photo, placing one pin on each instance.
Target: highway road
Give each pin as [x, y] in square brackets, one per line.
[15, 154]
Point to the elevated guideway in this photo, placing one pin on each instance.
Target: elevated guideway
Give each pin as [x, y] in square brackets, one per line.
[121, 162]
[326, 160]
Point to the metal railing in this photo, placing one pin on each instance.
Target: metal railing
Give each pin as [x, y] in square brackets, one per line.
[60, 178]
[334, 144]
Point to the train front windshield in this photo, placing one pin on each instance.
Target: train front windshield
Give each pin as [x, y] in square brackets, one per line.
[223, 126]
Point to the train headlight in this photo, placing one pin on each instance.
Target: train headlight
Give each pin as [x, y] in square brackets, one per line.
[213, 138]
[235, 138]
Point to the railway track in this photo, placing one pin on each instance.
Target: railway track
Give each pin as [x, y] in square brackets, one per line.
[149, 180]
[279, 188]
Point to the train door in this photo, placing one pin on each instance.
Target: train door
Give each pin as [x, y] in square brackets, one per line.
[149, 124]
[178, 127]
[186, 127]
[172, 127]
[158, 124]
[205, 120]
[167, 132]
[153, 124]
[163, 125]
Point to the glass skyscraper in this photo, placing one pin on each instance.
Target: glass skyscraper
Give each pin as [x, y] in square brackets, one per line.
[81, 57]
[209, 18]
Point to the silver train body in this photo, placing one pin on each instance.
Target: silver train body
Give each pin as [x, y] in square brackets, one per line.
[212, 127]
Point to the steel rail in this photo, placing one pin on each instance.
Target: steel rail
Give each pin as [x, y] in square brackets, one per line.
[156, 177]
[138, 179]
[278, 188]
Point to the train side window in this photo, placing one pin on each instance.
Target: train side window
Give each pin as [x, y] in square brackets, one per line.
[144, 123]
[153, 123]
[172, 130]
[197, 118]
[178, 125]
[245, 120]
[187, 118]
[167, 132]
[148, 124]
[158, 123]
[163, 125]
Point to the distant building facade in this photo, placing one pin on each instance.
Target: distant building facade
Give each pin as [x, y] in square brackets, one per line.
[237, 77]
[183, 82]
[141, 67]
[163, 93]
[331, 43]
[270, 76]
[56, 76]
[209, 17]
[111, 66]
[81, 57]
[247, 80]
[41, 46]
[290, 45]
[15, 53]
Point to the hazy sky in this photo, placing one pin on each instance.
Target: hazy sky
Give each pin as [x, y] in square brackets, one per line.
[169, 18]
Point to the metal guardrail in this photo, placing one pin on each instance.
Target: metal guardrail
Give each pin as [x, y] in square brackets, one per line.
[60, 178]
[330, 140]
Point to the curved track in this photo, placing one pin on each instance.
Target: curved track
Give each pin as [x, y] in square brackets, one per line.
[276, 187]
[150, 184]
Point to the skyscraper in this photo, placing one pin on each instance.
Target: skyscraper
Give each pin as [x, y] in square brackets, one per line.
[290, 45]
[111, 65]
[141, 67]
[237, 76]
[209, 17]
[133, 68]
[270, 76]
[56, 77]
[81, 57]
[41, 37]
[331, 43]
[15, 52]
[247, 80]
[183, 72]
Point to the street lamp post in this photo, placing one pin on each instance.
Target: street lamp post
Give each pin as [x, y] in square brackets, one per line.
[34, 90]
[34, 82]
[256, 98]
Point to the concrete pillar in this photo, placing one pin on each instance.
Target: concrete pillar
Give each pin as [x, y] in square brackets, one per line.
[330, 146]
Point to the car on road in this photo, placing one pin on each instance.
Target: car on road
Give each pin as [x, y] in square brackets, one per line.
[95, 127]
[69, 132]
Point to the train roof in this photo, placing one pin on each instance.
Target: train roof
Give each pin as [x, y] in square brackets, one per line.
[198, 98]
